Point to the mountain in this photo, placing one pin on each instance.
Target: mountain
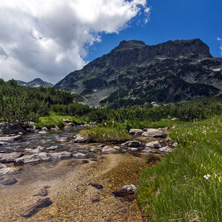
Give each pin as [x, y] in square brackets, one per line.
[135, 73]
[36, 83]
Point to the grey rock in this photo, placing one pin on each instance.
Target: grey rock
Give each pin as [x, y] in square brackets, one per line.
[2, 166]
[154, 132]
[80, 155]
[10, 138]
[42, 132]
[80, 139]
[132, 144]
[44, 129]
[125, 191]
[175, 144]
[4, 171]
[154, 144]
[28, 159]
[134, 149]
[61, 155]
[9, 182]
[166, 149]
[136, 131]
[9, 157]
[44, 156]
[31, 151]
[108, 149]
[56, 128]
[53, 148]
[34, 208]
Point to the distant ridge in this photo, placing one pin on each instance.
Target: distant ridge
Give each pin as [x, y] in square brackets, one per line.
[36, 83]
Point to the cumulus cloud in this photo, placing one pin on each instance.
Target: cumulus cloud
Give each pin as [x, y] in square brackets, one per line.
[49, 39]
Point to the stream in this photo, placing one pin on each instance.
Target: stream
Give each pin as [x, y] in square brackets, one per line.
[64, 185]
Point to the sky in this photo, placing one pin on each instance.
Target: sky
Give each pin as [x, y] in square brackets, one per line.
[48, 39]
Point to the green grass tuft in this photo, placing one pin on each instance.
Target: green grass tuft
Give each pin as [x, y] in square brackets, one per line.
[105, 134]
[56, 120]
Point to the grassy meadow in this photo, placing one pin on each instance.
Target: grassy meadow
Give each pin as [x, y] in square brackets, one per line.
[187, 184]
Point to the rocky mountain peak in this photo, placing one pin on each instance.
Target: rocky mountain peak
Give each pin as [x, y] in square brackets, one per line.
[136, 73]
[132, 44]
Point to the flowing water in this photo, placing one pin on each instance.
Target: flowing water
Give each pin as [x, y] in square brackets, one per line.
[68, 181]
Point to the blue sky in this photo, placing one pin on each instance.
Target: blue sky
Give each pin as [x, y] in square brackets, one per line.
[47, 39]
[171, 20]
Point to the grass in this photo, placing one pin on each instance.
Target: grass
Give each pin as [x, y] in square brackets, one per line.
[57, 120]
[177, 188]
[105, 134]
[136, 124]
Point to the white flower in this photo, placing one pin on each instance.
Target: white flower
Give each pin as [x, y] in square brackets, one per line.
[207, 176]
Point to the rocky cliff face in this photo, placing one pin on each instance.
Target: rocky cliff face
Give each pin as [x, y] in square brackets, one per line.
[134, 73]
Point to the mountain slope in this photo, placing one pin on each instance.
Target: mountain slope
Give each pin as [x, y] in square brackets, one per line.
[134, 73]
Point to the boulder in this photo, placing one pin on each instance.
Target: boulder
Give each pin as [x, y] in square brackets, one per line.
[108, 149]
[9, 138]
[44, 156]
[61, 155]
[126, 190]
[56, 128]
[53, 148]
[34, 208]
[133, 149]
[175, 144]
[154, 132]
[2, 166]
[136, 131]
[80, 155]
[166, 149]
[44, 129]
[154, 144]
[79, 139]
[9, 157]
[28, 159]
[32, 151]
[10, 170]
[9, 182]
[131, 144]
[4, 171]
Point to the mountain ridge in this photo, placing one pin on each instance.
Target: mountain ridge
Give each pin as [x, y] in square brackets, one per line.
[133, 71]
[35, 83]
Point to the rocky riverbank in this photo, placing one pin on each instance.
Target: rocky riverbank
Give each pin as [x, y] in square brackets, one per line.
[85, 186]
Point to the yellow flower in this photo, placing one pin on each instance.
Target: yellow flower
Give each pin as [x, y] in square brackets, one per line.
[194, 141]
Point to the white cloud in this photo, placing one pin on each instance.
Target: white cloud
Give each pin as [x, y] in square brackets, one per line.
[47, 38]
[220, 40]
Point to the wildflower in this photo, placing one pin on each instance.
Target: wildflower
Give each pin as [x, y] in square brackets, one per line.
[204, 132]
[207, 176]
[194, 141]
